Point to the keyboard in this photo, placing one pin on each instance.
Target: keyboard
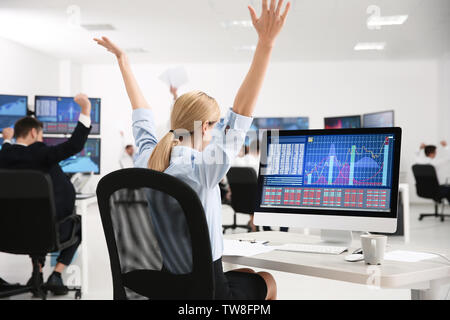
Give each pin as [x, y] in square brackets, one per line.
[312, 248]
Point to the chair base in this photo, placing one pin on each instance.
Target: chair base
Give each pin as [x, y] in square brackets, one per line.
[442, 216]
[38, 289]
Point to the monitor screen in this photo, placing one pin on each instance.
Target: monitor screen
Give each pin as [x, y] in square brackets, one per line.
[261, 124]
[60, 114]
[1, 143]
[351, 122]
[12, 108]
[379, 119]
[88, 160]
[298, 123]
[326, 172]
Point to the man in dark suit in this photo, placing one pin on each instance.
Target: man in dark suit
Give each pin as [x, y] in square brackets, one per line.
[29, 152]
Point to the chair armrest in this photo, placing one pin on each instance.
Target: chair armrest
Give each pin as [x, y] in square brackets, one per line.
[76, 219]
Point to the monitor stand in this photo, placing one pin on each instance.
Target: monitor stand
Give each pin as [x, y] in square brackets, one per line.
[336, 237]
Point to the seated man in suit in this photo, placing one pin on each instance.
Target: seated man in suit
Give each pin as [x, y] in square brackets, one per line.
[29, 152]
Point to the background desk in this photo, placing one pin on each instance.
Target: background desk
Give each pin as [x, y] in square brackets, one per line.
[428, 279]
[81, 204]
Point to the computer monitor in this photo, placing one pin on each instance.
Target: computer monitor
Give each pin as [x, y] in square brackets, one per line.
[343, 179]
[88, 160]
[346, 122]
[378, 119]
[260, 124]
[1, 143]
[60, 114]
[12, 108]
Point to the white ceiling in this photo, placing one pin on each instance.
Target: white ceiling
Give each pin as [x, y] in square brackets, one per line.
[191, 31]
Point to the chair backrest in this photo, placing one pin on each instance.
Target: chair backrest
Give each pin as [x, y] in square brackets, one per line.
[157, 236]
[243, 184]
[27, 212]
[427, 185]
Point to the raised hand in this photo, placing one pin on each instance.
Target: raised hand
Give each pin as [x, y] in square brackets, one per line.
[110, 46]
[173, 91]
[270, 23]
[84, 103]
[8, 133]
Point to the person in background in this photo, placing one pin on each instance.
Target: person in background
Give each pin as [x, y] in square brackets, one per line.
[182, 156]
[437, 157]
[126, 159]
[29, 152]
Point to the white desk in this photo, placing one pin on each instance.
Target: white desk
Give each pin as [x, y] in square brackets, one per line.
[81, 204]
[428, 279]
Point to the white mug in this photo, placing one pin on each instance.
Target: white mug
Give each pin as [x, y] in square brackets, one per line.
[373, 246]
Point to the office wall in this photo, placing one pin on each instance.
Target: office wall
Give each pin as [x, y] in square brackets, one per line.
[26, 71]
[314, 89]
[444, 97]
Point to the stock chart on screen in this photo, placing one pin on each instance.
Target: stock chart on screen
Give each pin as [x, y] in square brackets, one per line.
[60, 114]
[329, 171]
[88, 160]
[12, 108]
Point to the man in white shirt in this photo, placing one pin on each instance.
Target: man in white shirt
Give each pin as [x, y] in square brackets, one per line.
[126, 158]
[437, 157]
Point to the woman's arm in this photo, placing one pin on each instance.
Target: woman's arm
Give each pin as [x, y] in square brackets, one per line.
[134, 92]
[268, 26]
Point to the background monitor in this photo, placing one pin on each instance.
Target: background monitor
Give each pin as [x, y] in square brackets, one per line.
[293, 123]
[1, 142]
[260, 124]
[88, 160]
[347, 122]
[12, 108]
[330, 179]
[60, 114]
[379, 119]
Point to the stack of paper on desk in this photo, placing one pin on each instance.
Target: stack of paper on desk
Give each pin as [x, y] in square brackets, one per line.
[244, 248]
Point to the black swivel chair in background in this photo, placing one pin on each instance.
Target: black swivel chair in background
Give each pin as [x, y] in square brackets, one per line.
[243, 184]
[28, 225]
[427, 186]
[158, 240]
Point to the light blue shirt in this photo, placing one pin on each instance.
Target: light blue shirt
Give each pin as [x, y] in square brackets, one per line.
[201, 170]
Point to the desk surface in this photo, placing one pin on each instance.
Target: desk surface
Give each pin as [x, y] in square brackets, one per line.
[391, 274]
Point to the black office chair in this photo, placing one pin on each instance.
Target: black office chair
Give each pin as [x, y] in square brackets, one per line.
[158, 240]
[243, 184]
[28, 225]
[427, 186]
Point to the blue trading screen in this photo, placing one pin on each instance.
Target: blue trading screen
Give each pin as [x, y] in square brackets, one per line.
[336, 172]
[379, 119]
[88, 160]
[350, 122]
[12, 108]
[261, 124]
[60, 115]
[1, 142]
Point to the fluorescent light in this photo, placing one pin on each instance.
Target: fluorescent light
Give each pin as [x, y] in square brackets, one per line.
[237, 23]
[378, 21]
[369, 46]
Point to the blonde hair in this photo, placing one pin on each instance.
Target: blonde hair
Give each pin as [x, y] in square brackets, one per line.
[188, 108]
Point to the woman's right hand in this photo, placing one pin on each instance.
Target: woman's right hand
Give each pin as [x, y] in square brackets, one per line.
[110, 46]
[271, 21]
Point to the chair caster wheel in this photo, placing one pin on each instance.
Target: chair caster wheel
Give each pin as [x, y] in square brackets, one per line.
[78, 294]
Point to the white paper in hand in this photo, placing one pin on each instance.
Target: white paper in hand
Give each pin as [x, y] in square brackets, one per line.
[175, 77]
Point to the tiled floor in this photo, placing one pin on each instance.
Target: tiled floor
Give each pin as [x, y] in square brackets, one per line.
[429, 233]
